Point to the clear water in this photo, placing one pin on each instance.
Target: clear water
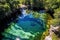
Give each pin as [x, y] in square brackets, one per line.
[25, 28]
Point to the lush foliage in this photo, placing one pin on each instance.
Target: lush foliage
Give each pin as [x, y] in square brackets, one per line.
[8, 6]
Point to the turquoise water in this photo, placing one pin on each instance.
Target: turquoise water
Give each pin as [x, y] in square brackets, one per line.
[30, 24]
[25, 28]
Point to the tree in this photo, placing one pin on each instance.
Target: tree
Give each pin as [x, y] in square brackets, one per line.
[57, 13]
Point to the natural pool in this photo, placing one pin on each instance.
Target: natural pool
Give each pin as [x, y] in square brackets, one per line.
[25, 27]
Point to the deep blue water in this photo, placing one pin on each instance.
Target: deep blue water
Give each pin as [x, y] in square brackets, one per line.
[31, 24]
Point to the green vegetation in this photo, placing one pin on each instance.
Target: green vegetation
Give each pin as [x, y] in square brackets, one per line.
[8, 6]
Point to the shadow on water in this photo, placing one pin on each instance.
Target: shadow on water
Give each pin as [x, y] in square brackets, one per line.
[4, 22]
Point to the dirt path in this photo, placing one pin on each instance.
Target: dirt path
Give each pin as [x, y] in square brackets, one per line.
[49, 37]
